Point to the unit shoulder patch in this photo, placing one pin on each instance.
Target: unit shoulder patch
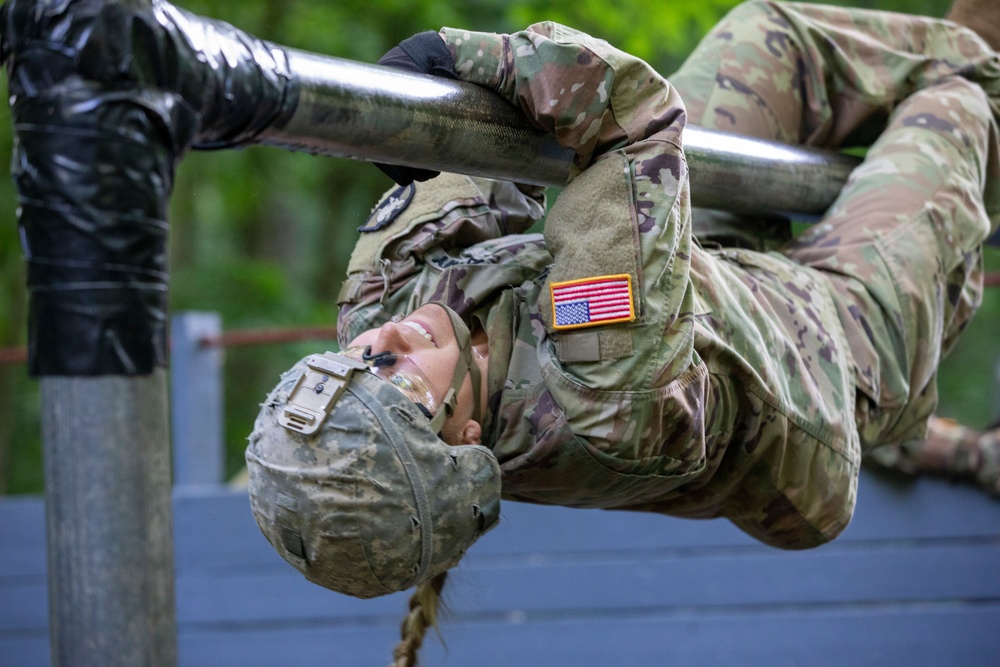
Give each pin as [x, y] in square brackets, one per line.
[589, 302]
[389, 209]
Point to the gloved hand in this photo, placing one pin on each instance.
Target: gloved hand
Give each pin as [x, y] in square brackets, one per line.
[423, 53]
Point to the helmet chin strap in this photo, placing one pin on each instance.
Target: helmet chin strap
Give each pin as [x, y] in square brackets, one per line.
[465, 365]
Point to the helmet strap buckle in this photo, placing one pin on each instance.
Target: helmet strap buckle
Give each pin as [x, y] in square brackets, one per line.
[316, 391]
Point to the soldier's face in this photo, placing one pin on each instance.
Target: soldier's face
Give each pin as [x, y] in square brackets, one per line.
[427, 340]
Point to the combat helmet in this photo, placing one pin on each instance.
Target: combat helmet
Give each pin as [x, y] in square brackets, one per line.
[351, 483]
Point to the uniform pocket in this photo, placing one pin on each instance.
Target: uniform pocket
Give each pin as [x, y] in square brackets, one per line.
[562, 469]
[657, 432]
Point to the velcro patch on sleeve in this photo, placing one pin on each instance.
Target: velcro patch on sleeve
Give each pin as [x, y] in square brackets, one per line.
[590, 302]
[389, 209]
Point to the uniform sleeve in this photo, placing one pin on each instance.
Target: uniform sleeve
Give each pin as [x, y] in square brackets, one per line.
[626, 209]
[627, 394]
[432, 241]
[591, 96]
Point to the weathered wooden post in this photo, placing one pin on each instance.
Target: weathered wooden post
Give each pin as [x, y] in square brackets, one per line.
[109, 520]
[196, 399]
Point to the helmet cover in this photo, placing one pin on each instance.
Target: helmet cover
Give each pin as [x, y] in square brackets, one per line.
[373, 501]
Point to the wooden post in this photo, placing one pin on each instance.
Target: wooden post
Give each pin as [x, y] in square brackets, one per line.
[109, 521]
[196, 399]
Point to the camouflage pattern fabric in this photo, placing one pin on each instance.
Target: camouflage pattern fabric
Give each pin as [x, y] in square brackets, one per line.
[749, 382]
[373, 502]
[950, 450]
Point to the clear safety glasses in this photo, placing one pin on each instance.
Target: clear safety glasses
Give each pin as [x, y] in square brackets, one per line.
[401, 372]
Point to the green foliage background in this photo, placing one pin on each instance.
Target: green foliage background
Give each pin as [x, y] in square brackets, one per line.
[263, 236]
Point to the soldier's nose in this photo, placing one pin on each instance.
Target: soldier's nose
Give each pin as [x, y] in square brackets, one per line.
[391, 338]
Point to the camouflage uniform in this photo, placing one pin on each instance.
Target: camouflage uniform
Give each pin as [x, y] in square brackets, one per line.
[950, 450]
[749, 382]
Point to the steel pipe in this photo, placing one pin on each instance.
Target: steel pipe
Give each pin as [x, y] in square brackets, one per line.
[366, 112]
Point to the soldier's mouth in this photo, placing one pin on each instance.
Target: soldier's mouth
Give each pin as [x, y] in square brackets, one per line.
[416, 326]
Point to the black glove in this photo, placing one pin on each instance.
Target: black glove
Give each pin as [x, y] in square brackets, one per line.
[424, 53]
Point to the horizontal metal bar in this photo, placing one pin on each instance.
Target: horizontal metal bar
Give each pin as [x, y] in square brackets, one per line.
[373, 113]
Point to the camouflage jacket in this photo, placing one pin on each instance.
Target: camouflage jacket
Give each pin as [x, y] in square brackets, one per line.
[729, 394]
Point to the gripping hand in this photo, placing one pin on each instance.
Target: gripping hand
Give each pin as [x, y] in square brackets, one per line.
[423, 53]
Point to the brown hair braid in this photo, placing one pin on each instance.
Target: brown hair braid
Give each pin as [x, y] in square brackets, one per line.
[423, 612]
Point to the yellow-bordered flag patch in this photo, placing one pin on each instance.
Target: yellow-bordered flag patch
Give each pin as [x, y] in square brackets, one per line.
[589, 302]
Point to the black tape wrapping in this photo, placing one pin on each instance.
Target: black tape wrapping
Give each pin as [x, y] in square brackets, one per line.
[106, 97]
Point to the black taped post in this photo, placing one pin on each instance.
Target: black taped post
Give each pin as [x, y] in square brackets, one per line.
[106, 97]
[94, 174]
[108, 519]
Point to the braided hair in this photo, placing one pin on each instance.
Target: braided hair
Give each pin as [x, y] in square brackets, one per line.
[424, 604]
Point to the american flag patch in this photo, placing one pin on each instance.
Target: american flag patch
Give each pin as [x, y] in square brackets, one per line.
[592, 301]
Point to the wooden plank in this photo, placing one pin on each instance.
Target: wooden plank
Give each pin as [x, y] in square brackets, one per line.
[710, 580]
[916, 637]
[26, 650]
[22, 536]
[24, 605]
[280, 594]
[897, 507]
[214, 529]
[902, 548]
[638, 581]
[217, 530]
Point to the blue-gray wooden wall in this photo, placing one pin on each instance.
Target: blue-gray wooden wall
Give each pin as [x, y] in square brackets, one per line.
[915, 580]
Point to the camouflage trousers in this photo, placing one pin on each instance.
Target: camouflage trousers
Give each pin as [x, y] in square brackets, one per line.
[950, 450]
[901, 246]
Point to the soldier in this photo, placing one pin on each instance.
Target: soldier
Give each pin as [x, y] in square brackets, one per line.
[615, 362]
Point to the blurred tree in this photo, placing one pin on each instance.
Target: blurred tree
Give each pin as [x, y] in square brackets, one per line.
[263, 236]
[18, 398]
